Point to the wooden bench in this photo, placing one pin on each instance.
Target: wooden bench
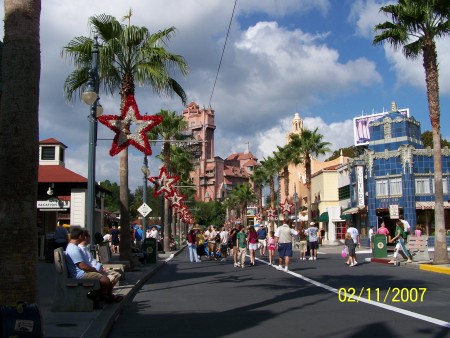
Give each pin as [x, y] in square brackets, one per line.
[71, 293]
[418, 247]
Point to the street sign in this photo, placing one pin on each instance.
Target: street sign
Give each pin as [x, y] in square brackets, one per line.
[144, 209]
[393, 211]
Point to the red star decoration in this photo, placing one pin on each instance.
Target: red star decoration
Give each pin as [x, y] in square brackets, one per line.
[286, 207]
[175, 199]
[121, 126]
[270, 212]
[164, 182]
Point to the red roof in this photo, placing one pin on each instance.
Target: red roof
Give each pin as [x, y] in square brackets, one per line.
[52, 141]
[57, 173]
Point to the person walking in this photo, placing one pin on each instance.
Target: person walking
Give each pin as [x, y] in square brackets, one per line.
[371, 233]
[200, 240]
[192, 246]
[271, 246]
[283, 237]
[241, 244]
[355, 236]
[211, 238]
[252, 238]
[262, 240]
[351, 248]
[399, 239]
[303, 242]
[313, 240]
[115, 239]
[224, 244]
[233, 240]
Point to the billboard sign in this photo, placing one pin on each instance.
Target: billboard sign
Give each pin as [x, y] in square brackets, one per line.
[361, 126]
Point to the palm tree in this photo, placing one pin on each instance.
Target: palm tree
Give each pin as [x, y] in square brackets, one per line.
[259, 178]
[307, 146]
[243, 194]
[170, 129]
[126, 54]
[414, 26]
[270, 168]
[21, 66]
[283, 158]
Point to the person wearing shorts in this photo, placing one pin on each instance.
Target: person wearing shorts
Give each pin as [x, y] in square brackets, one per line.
[313, 240]
[283, 237]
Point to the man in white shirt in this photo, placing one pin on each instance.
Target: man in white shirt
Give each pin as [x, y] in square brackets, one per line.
[210, 235]
[283, 237]
[224, 244]
[406, 226]
[313, 240]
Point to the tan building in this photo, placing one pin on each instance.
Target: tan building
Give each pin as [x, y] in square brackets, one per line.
[297, 179]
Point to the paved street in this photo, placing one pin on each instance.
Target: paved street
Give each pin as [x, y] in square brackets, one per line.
[214, 299]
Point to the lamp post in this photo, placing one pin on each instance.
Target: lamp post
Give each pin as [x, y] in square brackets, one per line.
[295, 205]
[146, 171]
[90, 97]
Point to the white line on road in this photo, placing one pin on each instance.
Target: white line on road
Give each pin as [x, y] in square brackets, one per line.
[370, 302]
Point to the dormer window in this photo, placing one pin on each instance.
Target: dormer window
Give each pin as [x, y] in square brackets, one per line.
[48, 153]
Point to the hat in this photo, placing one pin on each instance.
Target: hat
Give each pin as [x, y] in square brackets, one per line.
[312, 223]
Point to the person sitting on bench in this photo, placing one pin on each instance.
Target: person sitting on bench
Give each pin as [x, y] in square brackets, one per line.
[114, 276]
[80, 269]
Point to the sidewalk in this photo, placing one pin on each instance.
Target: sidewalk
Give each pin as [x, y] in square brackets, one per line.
[426, 266]
[93, 324]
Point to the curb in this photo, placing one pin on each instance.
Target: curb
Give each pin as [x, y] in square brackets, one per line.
[100, 327]
[434, 268]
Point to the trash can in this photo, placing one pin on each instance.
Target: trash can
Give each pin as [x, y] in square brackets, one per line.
[379, 249]
[149, 249]
[23, 320]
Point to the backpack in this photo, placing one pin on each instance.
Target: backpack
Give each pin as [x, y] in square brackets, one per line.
[217, 239]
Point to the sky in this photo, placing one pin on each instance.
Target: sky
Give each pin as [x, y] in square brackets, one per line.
[314, 58]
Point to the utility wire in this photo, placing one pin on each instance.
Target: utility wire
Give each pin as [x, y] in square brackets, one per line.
[221, 57]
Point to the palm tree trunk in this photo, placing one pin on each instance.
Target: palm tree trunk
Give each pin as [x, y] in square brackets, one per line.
[19, 150]
[286, 182]
[125, 238]
[308, 186]
[431, 75]
[166, 156]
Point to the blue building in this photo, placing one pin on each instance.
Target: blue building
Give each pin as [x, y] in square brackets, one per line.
[395, 176]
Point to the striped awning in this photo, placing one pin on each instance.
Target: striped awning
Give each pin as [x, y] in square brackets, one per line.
[430, 205]
[350, 211]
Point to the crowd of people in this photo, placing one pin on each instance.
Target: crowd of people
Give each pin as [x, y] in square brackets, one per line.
[236, 241]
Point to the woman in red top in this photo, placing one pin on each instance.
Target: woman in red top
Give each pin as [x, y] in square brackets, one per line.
[252, 239]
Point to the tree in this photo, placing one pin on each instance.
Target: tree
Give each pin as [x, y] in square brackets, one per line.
[21, 66]
[243, 194]
[347, 152]
[283, 159]
[427, 139]
[270, 168]
[259, 178]
[307, 146]
[127, 54]
[414, 27]
[169, 130]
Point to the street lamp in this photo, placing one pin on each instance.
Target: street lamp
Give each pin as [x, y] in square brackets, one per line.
[295, 204]
[146, 171]
[91, 98]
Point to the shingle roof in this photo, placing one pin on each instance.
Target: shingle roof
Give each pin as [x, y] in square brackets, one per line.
[57, 173]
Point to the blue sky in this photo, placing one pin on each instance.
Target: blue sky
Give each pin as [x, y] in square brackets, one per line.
[282, 57]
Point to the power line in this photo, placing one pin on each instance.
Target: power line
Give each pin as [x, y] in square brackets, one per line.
[223, 51]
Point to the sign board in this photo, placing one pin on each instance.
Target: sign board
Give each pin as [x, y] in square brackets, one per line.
[144, 210]
[53, 204]
[361, 126]
[393, 211]
[360, 185]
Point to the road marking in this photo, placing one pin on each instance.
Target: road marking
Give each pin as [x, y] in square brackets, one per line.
[414, 315]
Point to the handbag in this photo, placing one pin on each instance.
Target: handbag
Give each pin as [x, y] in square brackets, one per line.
[344, 252]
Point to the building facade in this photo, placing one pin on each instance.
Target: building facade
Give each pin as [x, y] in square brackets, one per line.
[395, 176]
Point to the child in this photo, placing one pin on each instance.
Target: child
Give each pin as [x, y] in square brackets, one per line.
[351, 261]
[271, 246]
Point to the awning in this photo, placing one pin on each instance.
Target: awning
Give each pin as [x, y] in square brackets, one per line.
[350, 211]
[430, 205]
[346, 216]
[324, 217]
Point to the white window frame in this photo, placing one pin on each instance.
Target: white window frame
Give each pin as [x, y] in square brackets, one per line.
[444, 185]
[382, 187]
[422, 185]
[395, 186]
